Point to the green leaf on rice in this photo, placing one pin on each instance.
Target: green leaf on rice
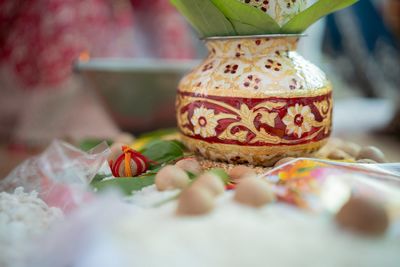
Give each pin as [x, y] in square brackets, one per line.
[126, 185]
[309, 16]
[205, 17]
[162, 151]
[239, 12]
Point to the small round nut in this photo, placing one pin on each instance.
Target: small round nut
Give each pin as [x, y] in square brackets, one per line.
[195, 201]
[371, 152]
[351, 148]
[338, 154]
[254, 192]
[171, 177]
[283, 161]
[190, 165]
[364, 216]
[210, 182]
[239, 172]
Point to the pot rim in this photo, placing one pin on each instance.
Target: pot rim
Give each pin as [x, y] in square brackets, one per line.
[236, 37]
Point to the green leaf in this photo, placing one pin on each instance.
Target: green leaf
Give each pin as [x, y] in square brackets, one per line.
[87, 144]
[237, 11]
[205, 17]
[98, 177]
[192, 176]
[245, 29]
[162, 151]
[126, 185]
[179, 143]
[221, 173]
[306, 18]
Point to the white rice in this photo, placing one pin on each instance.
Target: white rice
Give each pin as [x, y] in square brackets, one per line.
[23, 217]
[232, 235]
[108, 232]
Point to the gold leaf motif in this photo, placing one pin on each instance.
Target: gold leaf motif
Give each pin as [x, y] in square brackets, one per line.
[227, 134]
[268, 118]
[183, 121]
[274, 105]
[244, 118]
[270, 105]
[323, 107]
[245, 112]
[247, 116]
[241, 136]
[183, 118]
[263, 136]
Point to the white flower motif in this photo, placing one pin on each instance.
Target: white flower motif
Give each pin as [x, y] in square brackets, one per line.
[298, 120]
[204, 122]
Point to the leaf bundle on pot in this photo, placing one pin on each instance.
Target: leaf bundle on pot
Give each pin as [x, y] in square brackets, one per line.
[237, 18]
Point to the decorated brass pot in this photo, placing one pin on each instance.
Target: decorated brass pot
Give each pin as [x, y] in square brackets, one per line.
[254, 100]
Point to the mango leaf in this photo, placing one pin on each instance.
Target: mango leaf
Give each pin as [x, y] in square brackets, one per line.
[162, 151]
[205, 17]
[246, 14]
[245, 29]
[163, 134]
[126, 185]
[307, 17]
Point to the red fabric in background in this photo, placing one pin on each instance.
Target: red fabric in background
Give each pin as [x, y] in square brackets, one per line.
[166, 28]
[40, 39]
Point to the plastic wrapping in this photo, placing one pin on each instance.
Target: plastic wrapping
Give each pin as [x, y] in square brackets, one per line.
[320, 185]
[61, 174]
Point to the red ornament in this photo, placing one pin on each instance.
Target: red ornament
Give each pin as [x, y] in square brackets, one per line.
[130, 163]
[230, 186]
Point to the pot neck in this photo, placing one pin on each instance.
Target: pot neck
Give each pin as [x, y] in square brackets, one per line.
[251, 47]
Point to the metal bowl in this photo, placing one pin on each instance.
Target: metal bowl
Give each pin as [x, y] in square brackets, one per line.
[138, 93]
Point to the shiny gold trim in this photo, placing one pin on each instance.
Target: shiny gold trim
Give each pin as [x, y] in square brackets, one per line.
[256, 155]
[232, 93]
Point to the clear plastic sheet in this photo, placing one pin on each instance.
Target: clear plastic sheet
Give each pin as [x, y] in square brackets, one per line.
[61, 174]
[321, 185]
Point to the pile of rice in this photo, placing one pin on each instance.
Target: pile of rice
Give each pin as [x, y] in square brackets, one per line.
[23, 217]
[109, 232]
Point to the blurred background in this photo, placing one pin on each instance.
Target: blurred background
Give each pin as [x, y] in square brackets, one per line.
[81, 69]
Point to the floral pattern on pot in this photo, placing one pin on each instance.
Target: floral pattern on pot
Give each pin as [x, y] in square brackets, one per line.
[298, 120]
[204, 122]
[231, 64]
[254, 100]
[255, 122]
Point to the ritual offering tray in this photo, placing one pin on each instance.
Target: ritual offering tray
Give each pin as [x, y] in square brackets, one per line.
[251, 167]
